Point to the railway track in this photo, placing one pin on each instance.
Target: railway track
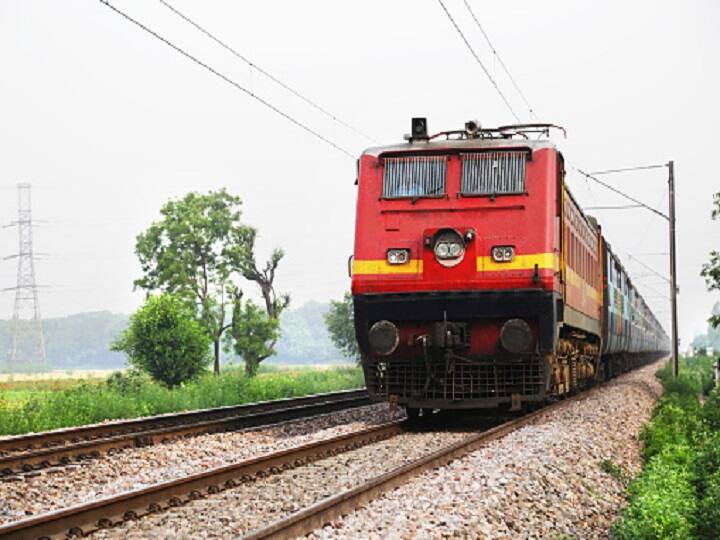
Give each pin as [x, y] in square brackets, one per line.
[26, 453]
[85, 518]
[111, 511]
[325, 511]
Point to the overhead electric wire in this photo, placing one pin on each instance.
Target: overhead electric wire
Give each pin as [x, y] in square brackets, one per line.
[641, 241]
[265, 73]
[615, 190]
[227, 79]
[477, 59]
[628, 169]
[648, 287]
[619, 207]
[658, 274]
[502, 64]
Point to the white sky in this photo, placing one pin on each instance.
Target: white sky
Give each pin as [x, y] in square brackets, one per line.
[108, 123]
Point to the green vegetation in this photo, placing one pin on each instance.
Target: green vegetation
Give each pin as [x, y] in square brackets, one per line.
[254, 333]
[132, 394]
[340, 321]
[198, 251]
[677, 494]
[711, 270]
[165, 341]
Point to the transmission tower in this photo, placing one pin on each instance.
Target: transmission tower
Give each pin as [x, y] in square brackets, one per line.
[27, 342]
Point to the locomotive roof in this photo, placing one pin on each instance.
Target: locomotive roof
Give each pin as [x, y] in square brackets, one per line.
[460, 144]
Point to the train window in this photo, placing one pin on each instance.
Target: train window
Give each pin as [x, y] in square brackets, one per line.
[416, 176]
[493, 173]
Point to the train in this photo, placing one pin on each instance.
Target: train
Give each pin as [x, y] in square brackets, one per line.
[478, 282]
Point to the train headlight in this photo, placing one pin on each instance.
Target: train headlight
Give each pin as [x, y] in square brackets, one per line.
[398, 256]
[449, 248]
[516, 336]
[503, 253]
[383, 337]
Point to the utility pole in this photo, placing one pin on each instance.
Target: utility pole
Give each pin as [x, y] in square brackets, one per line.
[673, 277]
[27, 342]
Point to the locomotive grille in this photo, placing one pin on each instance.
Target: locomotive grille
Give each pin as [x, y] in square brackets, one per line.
[491, 380]
[493, 173]
[417, 176]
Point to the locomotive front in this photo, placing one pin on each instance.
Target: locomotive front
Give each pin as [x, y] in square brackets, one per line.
[455, 267]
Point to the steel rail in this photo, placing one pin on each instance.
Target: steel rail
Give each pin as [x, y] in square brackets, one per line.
[107, 512]
[59, 447]
[308, 519]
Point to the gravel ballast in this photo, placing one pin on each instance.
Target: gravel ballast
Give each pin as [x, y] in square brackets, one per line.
[542, 481]
[134, 468]
[234, 512]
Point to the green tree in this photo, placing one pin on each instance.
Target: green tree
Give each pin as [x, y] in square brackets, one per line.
[711, 270]
[256, 331]
[255, 334]
[340, 323]
[165, 340]
[194, 251]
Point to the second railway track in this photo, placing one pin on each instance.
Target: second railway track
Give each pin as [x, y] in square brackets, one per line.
[26, 453]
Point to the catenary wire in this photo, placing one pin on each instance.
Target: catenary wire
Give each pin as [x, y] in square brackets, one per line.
[628, 197]
[266, 73]
[619, 207]
[502, 64]
[477, 59]
[658, 274]
[628, 169]
[227, 79]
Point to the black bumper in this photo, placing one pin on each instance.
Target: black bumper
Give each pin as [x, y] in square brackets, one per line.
[460, 306]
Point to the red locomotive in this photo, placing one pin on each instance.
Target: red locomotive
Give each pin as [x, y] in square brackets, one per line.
[477, 279]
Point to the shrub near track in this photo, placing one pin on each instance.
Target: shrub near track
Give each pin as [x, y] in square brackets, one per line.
[130, 394]
[677, 494]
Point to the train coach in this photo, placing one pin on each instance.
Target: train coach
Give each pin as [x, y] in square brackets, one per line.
[478, 281]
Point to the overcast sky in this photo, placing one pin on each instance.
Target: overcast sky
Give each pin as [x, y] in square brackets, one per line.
[108, 123]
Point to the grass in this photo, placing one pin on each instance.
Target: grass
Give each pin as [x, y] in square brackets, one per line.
[677, 494]
[43, 405]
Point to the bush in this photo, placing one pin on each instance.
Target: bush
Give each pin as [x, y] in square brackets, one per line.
[126, 382]
[708, 525]
[677, 495]
[662, 502]
[676, 421]
[711, 411]
[707, 462]
[166, 341]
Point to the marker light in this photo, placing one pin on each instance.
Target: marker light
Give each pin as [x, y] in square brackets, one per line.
[503, 253]
[398, 256]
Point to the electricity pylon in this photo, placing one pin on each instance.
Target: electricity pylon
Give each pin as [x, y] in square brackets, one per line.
[27, 342]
